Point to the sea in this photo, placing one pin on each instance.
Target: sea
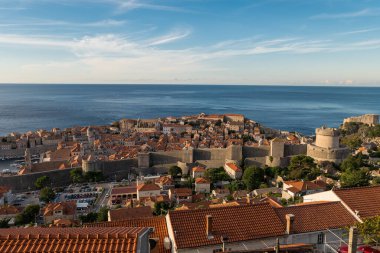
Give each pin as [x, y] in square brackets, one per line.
[293, 108]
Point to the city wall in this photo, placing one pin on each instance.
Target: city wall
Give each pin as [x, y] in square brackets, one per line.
[16, 153]
[324, 154]
[295, 149]
[60, 178]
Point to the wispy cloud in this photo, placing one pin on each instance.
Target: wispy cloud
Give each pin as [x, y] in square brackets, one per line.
[355, 14]
[167, 38]
[359, 31]
[44, 22]
[114, 45]
[127, 5]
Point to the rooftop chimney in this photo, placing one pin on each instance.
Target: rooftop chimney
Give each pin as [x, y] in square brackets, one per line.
[209, 225]
[289, 223]
[248, 199]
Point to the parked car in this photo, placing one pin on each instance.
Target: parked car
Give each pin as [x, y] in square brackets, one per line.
[360, 249]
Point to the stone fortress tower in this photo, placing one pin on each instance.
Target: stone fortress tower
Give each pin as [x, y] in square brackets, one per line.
[327, 147]
[327, 137]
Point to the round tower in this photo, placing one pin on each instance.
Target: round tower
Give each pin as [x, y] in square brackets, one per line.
[327, 137]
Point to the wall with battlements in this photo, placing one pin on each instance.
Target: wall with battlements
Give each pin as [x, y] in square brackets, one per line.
[60, 178]
[324, 154]
[369, 119]
[21, 152]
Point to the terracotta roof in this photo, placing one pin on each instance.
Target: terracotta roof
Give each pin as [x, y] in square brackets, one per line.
[303, 185]
[126, 213]
[63, 223]
[157, 222]
[124, 190]
[68, 208]
[41, 240]
[7, 210]
[148, 187]
[233, 166]
[238, 223]
[362, 199]
[198, 169]
[45, 166]
[201, 181]
[317, 217]
[182, 192]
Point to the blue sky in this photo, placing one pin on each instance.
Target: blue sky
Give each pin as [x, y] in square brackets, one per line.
[324, 42]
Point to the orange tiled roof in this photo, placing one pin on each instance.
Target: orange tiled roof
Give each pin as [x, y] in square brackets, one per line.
[41, 240]
[157, 222]
[233, 166]
[257, 221]
[68, 208]
[148, 187]
[198, 169]
[182, 192]
[7, 210]
[303, 185]
[201, 181]
[124, 190]
[317, 217]
[362, 199]
[126, 213]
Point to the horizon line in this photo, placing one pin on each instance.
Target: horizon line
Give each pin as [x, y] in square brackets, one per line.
[207, 84]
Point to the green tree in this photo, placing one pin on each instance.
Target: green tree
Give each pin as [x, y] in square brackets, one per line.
[352, 163]
[103, 214]
[41, 182]
[161, 208]
[356, 178]
[76, 175]
[374, 131]
[47, 194]
[253, 177]
[303, 167]
[28, 215]
[4, 223]
[370, 229]
[376, 181]
[94, 176]
[352, 141]
[88, 218]
[236, 185]
[217, 174]
[175, 171]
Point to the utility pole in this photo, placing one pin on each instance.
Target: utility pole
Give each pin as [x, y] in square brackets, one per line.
[277, 247]
[353, 240]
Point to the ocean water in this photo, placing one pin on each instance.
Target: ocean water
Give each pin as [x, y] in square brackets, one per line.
[293, 108]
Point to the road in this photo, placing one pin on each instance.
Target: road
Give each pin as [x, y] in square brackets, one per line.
[102, 200]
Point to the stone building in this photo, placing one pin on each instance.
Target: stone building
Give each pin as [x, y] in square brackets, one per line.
[327, 147]
[368, 119]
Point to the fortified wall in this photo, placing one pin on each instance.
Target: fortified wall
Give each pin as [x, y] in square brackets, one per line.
[369, 119]
[20, 152]
[110, 169]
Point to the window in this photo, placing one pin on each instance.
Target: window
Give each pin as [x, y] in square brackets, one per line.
[321, 238]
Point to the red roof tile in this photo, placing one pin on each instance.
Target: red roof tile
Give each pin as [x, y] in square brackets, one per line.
[158, 223]
[317, 217]
[41, 240]
[148, 187]
[239, 223]
[366, 200]
[233, 166]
